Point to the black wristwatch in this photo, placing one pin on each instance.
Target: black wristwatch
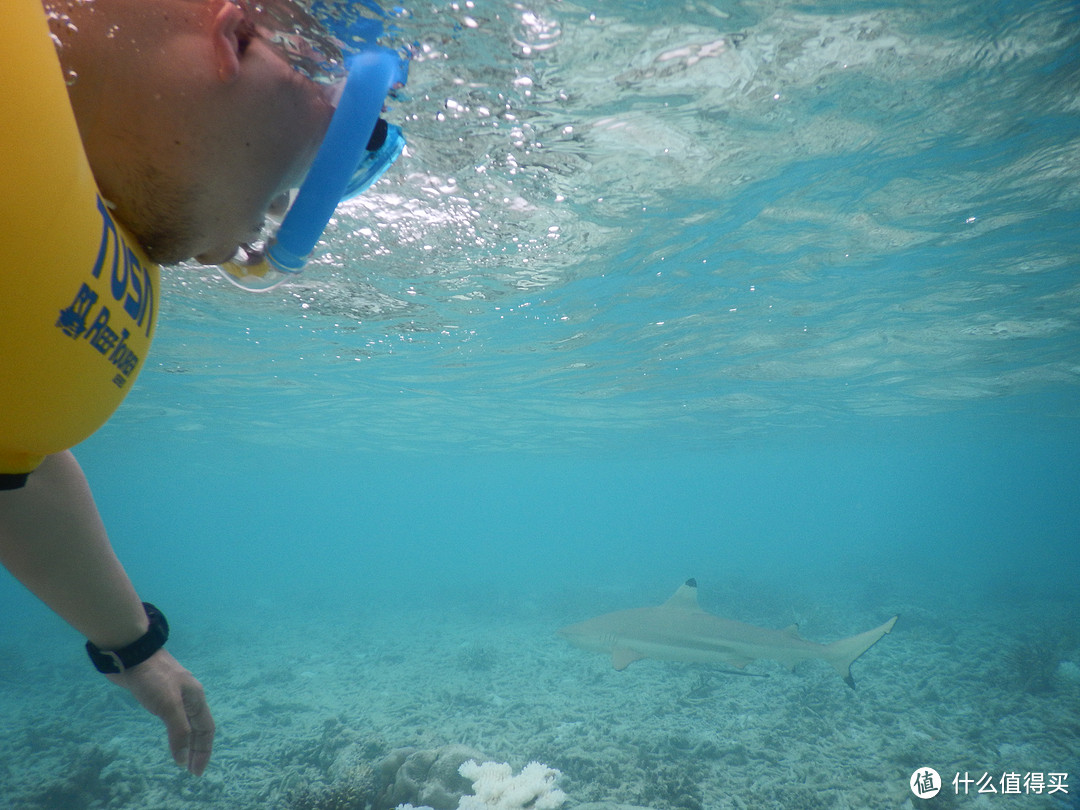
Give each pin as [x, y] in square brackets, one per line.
[112, 662]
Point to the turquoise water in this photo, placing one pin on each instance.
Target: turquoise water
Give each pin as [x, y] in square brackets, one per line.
[780, 296]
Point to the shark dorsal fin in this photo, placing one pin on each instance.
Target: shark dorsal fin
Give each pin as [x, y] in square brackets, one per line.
[792, 630]
[685, 598]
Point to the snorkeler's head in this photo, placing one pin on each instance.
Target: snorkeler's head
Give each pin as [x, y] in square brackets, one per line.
[196, 114]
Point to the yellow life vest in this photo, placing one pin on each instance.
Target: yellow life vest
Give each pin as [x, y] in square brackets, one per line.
[78, 298]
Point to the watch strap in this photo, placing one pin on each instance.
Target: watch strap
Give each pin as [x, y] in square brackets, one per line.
[113, 662]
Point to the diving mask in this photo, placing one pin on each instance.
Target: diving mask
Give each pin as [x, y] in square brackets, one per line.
[358, 147]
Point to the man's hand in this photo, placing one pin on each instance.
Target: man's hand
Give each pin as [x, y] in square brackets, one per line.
[169, 691]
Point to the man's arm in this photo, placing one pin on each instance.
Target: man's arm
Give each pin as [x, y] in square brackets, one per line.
[53, 540]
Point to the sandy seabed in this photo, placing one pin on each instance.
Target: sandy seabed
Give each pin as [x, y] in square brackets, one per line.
[295, 690]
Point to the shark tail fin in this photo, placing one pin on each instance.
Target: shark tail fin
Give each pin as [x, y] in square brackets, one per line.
[842, 653]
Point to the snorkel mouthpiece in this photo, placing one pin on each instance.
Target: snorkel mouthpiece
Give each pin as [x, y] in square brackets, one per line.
[350, 159]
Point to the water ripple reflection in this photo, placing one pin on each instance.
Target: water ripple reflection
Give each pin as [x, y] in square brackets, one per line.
[607, 224]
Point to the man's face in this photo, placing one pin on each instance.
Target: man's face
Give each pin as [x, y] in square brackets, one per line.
[268, 125]
[193, 119]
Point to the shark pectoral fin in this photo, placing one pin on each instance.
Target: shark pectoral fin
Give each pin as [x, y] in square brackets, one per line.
[622, 657]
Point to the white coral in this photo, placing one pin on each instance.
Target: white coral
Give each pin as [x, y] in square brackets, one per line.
[496, 788]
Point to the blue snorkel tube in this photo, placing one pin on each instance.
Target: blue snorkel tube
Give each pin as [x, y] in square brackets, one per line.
[357, 149]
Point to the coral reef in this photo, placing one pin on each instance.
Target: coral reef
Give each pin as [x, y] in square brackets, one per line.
[329, 770]
[1031, 666]
[495, 786]
[673, 785]
[427, 777]
[477, 658]
[85, 783]
[354, 789]
[453, 777]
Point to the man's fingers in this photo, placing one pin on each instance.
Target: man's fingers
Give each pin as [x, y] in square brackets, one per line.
[190, 728]
[198, 761]
[169, 691]
[201, 723]
[178, 728]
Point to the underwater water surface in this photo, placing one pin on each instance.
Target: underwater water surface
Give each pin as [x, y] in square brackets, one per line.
[781, 296]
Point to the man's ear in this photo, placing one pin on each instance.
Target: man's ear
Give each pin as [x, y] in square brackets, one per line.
[229, 41]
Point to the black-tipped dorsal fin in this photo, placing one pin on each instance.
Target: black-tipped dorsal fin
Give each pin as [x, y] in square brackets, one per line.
[685, 598]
